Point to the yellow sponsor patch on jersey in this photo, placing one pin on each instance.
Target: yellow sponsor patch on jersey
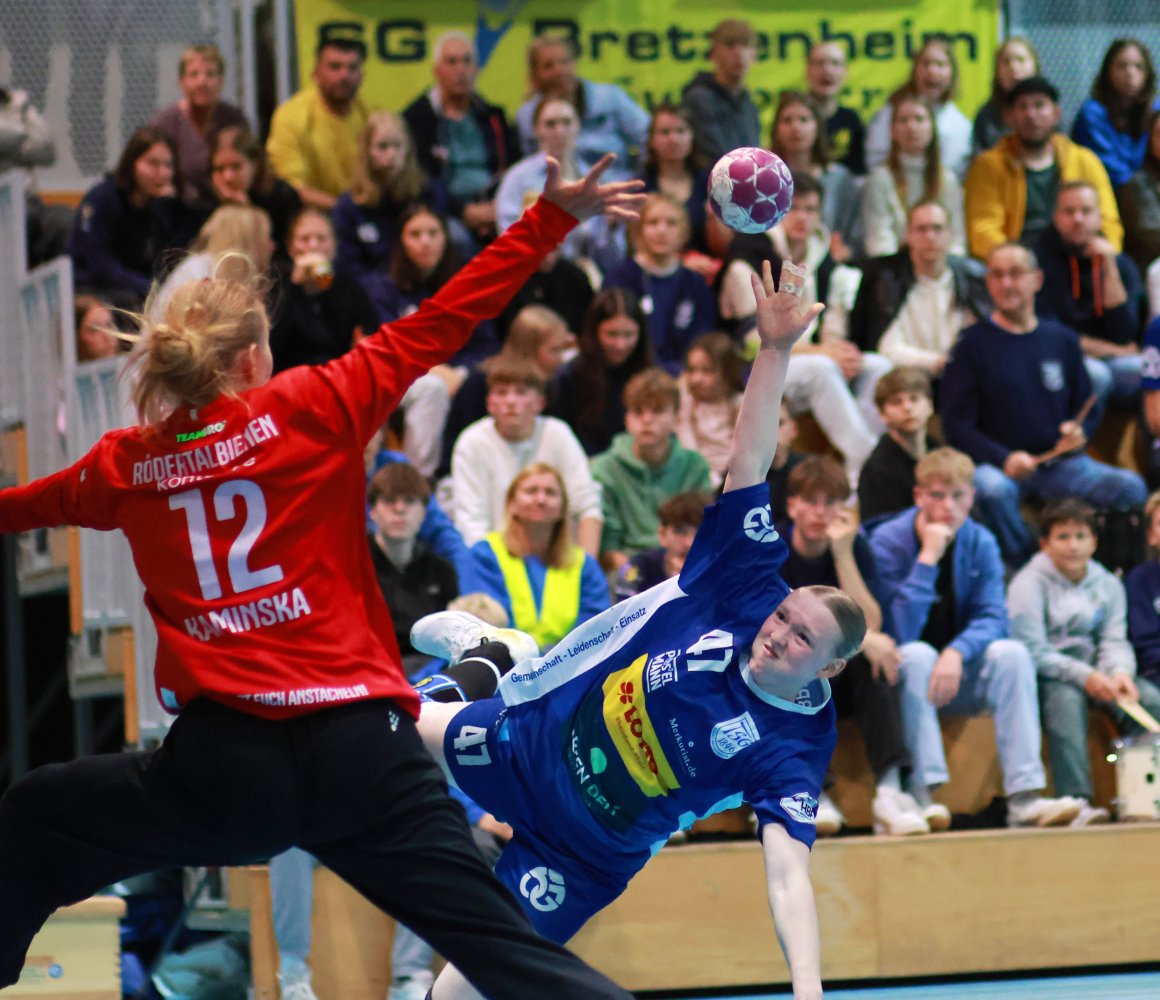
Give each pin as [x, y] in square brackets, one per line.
[632, 733]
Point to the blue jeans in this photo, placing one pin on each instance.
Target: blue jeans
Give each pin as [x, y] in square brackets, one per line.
[1065, 722]
[997, 496]
[1114, 380]
[1001, 682]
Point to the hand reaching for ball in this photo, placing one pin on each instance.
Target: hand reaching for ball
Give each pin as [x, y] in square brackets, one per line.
[781, 319]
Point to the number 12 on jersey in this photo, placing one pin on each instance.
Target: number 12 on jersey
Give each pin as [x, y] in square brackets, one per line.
[242, 577]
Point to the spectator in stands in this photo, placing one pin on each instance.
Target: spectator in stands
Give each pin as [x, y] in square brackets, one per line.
[680, 516]
[1143, 587]
[1112, 123]
[95, 328]
[127, 222]
[596, 244]
[491, 451]
[546, 582]
[313, 141]
[942, 595]
[1093, 290]
[710, 387]
[610, 120]
[1010, 396]
[673, 167]
[718, 102]
[589, 389]
[234, 242]
[1150, 387]
[678, 304]
[421, 262]
[1015, 60]
[821, 374]
[387, 181]
[799, 138]
[886, 485]
[1139, 201]
[1071, 614]
[193, 122]
[319, 315]
[911, 172]
[26, 142]
[826, 548]
[241, 175]
[414, 580]
[785, 460]
[537, 334]
[644, 467]
[462, 140]
[912, 304]
[1010, 189]
[826, 71]
[934, 77]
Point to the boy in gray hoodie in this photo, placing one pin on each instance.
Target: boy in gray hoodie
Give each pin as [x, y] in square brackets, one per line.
[1071, 614]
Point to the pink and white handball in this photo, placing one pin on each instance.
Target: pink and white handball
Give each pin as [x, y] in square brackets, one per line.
[750, 189]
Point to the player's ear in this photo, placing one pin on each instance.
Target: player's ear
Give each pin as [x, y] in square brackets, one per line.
[832, 669]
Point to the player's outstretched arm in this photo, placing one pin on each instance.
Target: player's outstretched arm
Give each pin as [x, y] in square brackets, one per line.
[781, 320]
[795, 915]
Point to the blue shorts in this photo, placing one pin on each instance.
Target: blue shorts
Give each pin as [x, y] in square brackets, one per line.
[559, 865]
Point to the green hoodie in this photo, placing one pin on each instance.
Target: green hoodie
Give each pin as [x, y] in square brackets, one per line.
[632, 491]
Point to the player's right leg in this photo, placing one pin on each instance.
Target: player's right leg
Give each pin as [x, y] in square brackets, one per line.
[221, 790]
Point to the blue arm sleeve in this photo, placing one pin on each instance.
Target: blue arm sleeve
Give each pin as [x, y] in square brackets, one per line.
[482, 575]
[986, 607]
[959, 409]
[474, 812]
[1093, 128]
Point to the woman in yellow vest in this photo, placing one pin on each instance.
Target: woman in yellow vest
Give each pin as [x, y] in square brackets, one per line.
[547, 584]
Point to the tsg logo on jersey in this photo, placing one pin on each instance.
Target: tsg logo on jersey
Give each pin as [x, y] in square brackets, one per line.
[802, 807]
[1052, 374]
[729, 738]
[759, 525]
[543, 888]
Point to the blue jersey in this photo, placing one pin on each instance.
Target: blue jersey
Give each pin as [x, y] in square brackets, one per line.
[645, 718]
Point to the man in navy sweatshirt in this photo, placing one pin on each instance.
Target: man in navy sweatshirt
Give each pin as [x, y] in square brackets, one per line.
[1095, 291]
[1010, 394]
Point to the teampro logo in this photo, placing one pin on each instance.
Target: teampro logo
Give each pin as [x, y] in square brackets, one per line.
[203, 432]
[543, 888]
[758, 525]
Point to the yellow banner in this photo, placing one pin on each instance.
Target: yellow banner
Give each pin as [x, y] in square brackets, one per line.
[652, 48]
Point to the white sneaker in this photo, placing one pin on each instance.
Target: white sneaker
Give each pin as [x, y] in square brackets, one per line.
[450, 634]
[1042, 811]
[897, 814]
[937, 816]
[296, 987]
[413, 987]
[829, 819]
[1090, 815]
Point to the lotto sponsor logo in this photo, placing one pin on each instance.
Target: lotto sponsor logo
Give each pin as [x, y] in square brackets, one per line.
[758, 525]
[802, 807]
[627, 720]
[543, 888]
[729, 738]
[661, 670]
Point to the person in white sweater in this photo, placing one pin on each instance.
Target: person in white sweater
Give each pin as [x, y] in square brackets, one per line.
[912, 172]
[1071, 614]
[490, 452]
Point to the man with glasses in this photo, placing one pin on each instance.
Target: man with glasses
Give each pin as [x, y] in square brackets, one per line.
[1013, 396]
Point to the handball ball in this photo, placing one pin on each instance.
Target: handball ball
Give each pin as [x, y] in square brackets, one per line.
[750, 189]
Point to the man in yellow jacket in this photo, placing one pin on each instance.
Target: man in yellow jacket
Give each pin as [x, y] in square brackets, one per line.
[1011, 188]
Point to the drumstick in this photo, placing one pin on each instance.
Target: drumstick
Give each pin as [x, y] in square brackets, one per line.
[1139, 713]
[1077, 419]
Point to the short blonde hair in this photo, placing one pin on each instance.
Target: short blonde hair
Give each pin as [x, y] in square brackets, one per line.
[947, 465]
[210, 53]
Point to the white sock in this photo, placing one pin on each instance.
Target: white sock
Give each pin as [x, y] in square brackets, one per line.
[891, 778]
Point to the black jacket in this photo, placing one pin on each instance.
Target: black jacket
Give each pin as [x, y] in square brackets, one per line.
[886, 281]
[430, 146]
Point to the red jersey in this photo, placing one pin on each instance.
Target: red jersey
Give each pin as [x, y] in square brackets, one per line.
[247, 518]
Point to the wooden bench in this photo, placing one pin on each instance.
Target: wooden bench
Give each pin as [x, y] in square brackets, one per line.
[76, 955]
